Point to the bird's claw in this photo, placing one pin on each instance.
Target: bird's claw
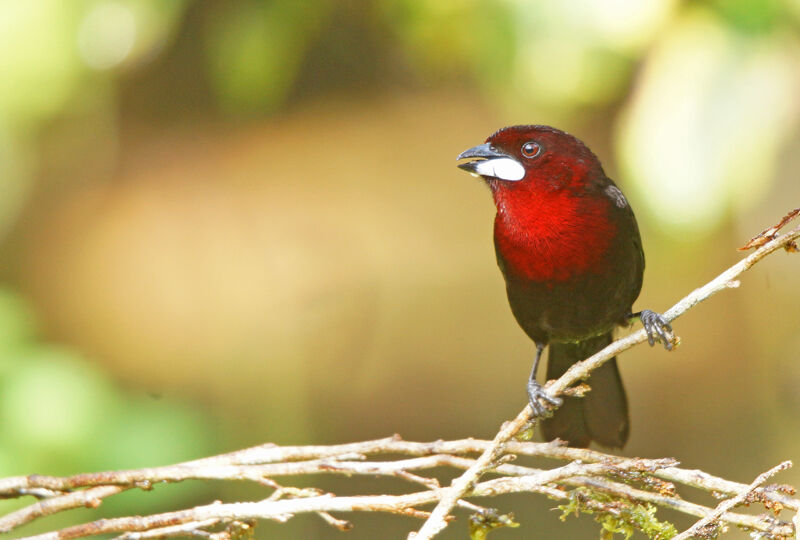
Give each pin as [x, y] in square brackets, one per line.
[536, 395]
[657, 328]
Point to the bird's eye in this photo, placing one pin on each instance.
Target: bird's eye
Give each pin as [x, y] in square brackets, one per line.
[531, 149]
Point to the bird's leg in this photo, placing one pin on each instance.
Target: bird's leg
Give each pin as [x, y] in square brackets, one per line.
[656, 326]
[537, 392]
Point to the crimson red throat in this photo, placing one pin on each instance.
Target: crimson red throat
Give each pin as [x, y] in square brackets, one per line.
[568, 246]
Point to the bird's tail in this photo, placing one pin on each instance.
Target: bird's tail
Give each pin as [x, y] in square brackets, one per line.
[602, 414]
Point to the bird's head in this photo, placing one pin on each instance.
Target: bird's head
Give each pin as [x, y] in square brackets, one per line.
[538, 157]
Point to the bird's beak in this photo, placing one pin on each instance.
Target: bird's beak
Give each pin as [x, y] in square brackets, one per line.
[488, 161]
[485, 151]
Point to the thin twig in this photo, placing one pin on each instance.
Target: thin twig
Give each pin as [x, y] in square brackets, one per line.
[437, 521]
[90, 498]
[336, 523]
[729, 504]
[191, 528]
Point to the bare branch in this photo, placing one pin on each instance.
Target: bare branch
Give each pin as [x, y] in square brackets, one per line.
[191, 528]
[724, 506]
[586, 469]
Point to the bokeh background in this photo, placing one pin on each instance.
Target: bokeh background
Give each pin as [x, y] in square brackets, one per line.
[226, 223]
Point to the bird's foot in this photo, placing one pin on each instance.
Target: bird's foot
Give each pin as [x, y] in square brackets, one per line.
[537, 395]
[657, 328]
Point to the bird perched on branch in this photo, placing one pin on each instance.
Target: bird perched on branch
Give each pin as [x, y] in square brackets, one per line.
[569, 248]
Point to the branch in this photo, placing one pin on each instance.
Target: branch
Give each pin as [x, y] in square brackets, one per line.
[612, 488]
[588, 470]
[581, 370]
[724, 506]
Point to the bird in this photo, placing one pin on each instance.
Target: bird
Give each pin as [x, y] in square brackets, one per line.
[568, 245]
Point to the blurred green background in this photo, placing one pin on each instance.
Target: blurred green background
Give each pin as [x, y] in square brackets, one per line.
[227, 223]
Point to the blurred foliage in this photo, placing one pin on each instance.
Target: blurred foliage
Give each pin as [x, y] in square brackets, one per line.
[220, 202]
[554, 57]
[517, 50]
[752, 16]
[697, 151]
[60, 414]
[56, 54]
[255, 50]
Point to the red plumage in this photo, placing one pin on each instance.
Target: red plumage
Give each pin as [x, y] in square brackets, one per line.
[549, 235]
